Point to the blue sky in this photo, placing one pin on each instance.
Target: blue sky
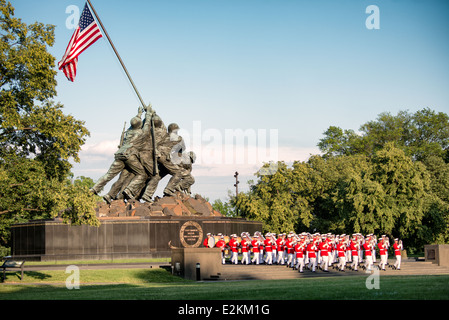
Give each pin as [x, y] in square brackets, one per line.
[290, 67]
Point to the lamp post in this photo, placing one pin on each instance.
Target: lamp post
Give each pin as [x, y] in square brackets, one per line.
[236, 185]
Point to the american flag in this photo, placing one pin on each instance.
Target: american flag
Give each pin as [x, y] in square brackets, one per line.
[86, 33]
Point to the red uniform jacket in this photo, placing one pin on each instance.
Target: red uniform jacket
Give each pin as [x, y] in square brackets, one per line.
[299, 251]
[289, 247]
[382, 250]
[354, 250]
[280, 244]
[221, 244]
[255, 245]
[367, 248]
[311, 250]
[397, 250]
[341, 249]
[245, 245]
[268, 247]
[324, 247]
[234, 245]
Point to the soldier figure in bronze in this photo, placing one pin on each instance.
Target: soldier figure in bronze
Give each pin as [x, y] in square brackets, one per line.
[127, 155]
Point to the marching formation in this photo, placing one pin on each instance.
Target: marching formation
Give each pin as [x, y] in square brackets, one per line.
[307, 251]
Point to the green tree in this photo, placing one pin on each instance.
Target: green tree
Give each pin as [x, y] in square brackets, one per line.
[224, 208]
[37, 140]
[422, 134]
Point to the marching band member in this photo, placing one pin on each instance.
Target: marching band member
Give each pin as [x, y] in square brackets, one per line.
[255, 243]
[280, 249]
[206, 241]
[234, 244]
[387, 246]
[261, 247]
[330, 252]
[341, 248]
[273, 247]
[368, 253]
[221, 244]
[361, 241]
[348, 252]
[373, 247]
[324, 253]
[299, 253]
[311, 253]
[397, 252]
[354, 247]
[245, 249]
[382, 252]
[268, 249]
[290, 250]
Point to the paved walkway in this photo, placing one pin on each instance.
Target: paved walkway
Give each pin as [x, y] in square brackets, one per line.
[270, 272]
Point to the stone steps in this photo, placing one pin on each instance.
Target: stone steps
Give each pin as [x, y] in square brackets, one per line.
[274, 272]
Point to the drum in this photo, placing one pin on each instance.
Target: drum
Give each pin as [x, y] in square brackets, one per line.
[211, 242]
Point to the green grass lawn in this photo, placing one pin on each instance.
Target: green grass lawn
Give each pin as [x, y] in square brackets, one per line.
[158, 284]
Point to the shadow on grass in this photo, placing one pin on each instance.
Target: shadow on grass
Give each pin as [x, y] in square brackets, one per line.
[13, 276]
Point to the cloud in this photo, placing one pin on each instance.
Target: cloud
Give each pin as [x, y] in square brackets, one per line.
[250, 165]
[103, 149]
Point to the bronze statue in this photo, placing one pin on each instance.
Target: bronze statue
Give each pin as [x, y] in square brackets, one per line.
[148, 152]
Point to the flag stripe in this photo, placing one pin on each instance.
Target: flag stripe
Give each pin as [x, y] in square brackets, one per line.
[86, 34]
[84, 41]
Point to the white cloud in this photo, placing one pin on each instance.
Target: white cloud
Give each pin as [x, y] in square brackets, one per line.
[103, 149]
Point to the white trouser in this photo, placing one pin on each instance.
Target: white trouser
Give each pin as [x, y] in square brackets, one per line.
[290, 260]
[355, 262]
[341, 263]
[235, 257]
[269, 258]
[300, 264]
[312, 263]
[245, 258]
[261, 256]
[324, 262]
[368, 262]
[255, 258]
[383, 261]
[280, 257]
[348, 256]
[397, 264]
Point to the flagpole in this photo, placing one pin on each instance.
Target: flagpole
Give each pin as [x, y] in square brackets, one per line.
[118, 56]
[153, 138]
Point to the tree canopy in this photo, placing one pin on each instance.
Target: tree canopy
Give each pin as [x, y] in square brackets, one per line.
[421, 135]
[37, 140]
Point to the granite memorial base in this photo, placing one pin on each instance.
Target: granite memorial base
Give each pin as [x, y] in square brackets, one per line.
[437, 253]
[196, 263]
[119, 237]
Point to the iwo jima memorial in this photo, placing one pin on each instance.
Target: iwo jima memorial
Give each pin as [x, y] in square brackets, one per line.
[134, 223]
